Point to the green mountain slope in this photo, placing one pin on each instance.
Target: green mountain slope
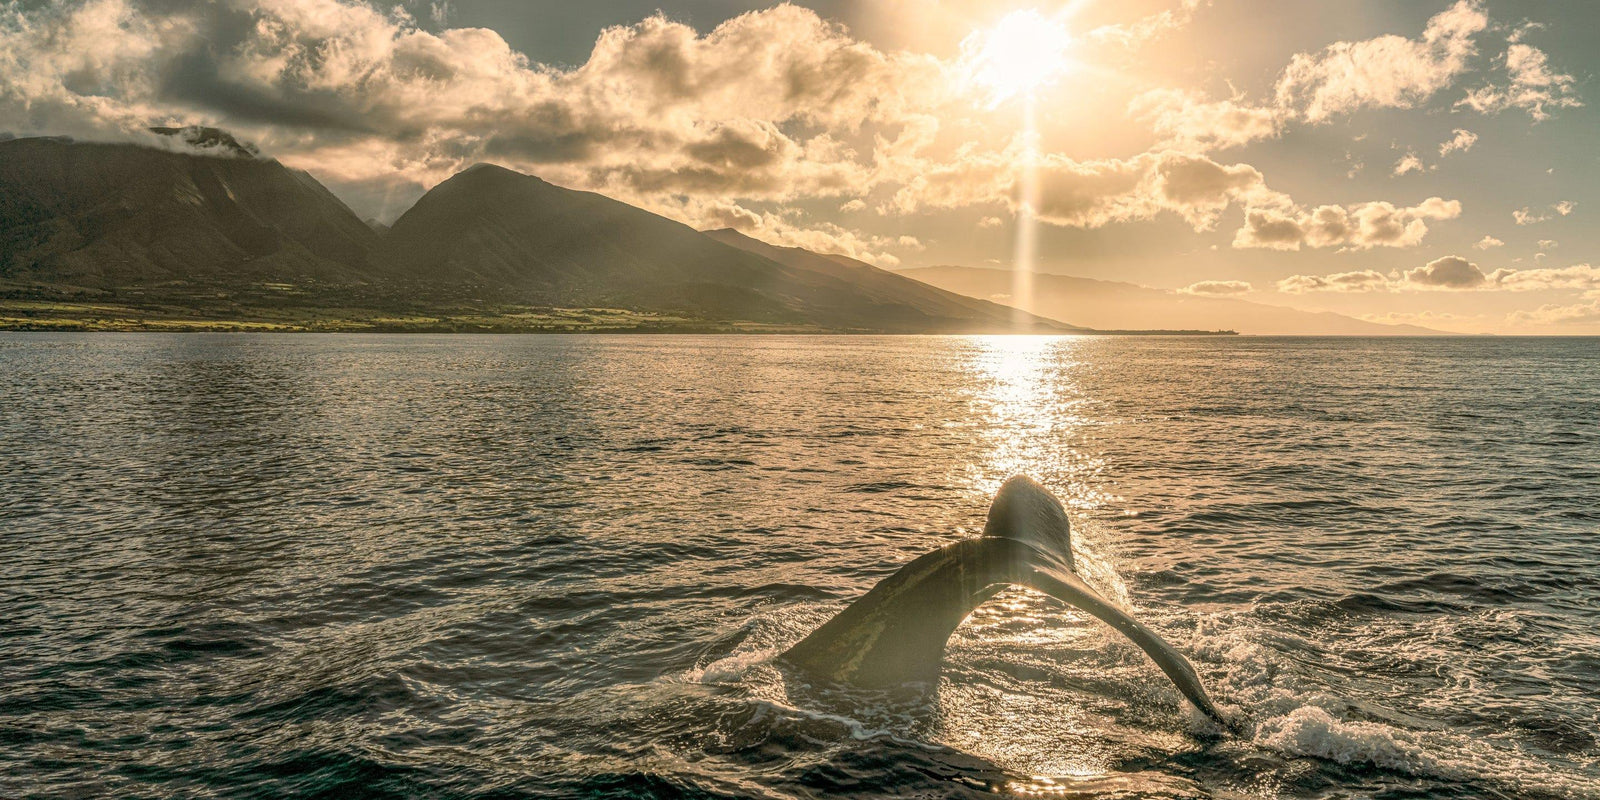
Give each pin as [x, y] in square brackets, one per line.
[116, 215]
[913, 299]
[516, 238]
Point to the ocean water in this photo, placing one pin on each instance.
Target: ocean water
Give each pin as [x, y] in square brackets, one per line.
[561, 566]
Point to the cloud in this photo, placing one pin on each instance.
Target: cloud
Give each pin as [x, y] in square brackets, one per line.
[1461, 141]
[1094, 193]
[1186, 119]
[786, 229]
[1385, 72]
[1217, 288]
[1450, 272]
[769, 106]
[728, 215]
[1581, 277]
[970, 177]
[364, 94]
[1409, 163]
[1533, 86]
[1362, 226]
[990, 222]
[1363, 281]
[1134, 34]
[1090, 193]
[1528, 216]
[1556, 314]
[1488, 242]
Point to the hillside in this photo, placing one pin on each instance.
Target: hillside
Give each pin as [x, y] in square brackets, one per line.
[879, 284]
[107, 216]
[515, 238]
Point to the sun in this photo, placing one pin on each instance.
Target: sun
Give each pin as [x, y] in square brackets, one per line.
[1023, 52]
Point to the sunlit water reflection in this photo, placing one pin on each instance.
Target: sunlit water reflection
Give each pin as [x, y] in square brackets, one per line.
[557, 566]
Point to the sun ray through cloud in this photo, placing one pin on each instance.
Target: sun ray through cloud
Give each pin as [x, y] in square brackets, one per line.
[1015, 59]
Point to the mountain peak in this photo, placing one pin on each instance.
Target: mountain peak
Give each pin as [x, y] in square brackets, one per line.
[492, 178]
[210, 141]
[122, 214]
[483, 169]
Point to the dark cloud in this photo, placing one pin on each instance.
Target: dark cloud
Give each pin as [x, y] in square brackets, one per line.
[1361, 281]
[1189, 179]
[1377, 223]
[195, 79]
[1450, 272]
[742, 146]
[1217, 288]
[1273, 230]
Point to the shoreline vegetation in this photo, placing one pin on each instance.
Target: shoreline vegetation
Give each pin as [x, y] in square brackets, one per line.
[89, 315]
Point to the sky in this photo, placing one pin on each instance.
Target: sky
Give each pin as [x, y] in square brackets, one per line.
[1430, 162]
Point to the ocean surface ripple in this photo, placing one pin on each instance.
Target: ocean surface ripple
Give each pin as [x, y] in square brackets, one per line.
[560, 566]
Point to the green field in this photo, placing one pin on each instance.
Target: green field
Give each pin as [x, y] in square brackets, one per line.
[59, 315]
[282, 307]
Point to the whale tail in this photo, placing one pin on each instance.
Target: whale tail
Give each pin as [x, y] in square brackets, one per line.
[896, 632]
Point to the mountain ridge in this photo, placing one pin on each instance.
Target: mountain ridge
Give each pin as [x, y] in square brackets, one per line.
[875, 280]
[524, 239]
[130, 236]
[106, 214]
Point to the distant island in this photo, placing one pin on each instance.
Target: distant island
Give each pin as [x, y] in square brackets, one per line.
[212, 236]
[1108, 305]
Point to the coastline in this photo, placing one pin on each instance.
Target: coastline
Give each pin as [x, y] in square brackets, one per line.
[112, 317]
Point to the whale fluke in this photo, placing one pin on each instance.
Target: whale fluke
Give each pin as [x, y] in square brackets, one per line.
[896, 632]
